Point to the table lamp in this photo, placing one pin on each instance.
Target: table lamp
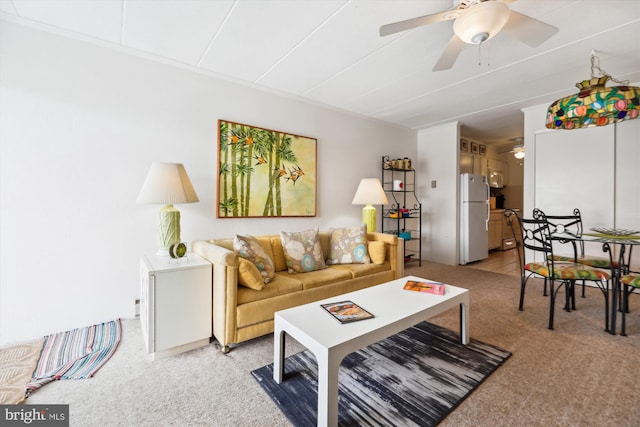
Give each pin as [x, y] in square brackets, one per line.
[167, 184]
[369, 193]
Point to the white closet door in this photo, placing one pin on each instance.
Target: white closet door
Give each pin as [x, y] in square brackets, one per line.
[576, 169]
[628, 175]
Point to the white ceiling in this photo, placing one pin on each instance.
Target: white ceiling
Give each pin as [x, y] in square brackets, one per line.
[329, 52]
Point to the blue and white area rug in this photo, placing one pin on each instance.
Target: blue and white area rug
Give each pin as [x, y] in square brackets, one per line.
[414, 378]
[75, 354]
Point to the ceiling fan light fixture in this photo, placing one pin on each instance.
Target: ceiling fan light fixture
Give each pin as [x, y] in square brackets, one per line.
[481, 22]
[595, 104]
[518, 151]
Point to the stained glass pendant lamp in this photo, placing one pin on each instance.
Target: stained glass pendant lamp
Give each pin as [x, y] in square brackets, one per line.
[595, 104]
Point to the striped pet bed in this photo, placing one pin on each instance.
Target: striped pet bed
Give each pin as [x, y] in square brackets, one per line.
[75, 354]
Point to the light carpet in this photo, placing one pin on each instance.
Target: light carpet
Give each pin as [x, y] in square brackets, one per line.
[413, 378]
[574, 375]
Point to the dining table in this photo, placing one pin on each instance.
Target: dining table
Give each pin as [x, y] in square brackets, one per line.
[620, 260]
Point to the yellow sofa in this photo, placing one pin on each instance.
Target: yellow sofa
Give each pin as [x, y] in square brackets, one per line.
[241, 313]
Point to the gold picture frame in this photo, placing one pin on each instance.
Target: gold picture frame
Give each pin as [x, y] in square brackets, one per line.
[482, 150]
[264, 173]
[474, 148]
[464, 145]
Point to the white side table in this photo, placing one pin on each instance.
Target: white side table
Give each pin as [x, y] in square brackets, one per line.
[175, 304]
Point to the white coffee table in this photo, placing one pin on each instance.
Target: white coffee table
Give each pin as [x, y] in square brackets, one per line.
[395, 310]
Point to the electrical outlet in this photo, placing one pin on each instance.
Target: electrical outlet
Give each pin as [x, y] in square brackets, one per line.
[137, 303]
[433, 184]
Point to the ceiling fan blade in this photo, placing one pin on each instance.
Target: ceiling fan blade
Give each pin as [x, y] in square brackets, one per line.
[408, 24]
[450, 54]
[528, 30]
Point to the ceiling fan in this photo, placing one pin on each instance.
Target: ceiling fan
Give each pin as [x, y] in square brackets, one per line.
[517, 150]
[475, 22]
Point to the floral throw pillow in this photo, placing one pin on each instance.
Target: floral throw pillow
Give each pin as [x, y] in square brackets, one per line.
[348, 246]
[302, 251]
[250, 249]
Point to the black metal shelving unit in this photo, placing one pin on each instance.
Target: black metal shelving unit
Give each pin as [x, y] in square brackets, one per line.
[403, 215]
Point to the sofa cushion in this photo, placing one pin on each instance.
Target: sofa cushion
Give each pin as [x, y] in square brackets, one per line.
[318, 278]
[249, 275]
[302, 251]
[278, 254]
[324, 236]
[377, 251]
[361, 270]
[280, 285]
[348, 246]
[249, 248]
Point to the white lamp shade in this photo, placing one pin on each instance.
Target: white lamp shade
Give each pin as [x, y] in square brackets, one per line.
[370, 192]
[482, 21]
[167, 184]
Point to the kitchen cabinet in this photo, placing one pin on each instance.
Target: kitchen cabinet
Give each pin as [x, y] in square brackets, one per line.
[483, 166]
[501, 235]
[499, 166]
[508, 238]
[475, 164]
[466, 163]
[495, 229]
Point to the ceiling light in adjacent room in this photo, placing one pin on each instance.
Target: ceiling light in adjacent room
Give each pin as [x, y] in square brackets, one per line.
[518, 152]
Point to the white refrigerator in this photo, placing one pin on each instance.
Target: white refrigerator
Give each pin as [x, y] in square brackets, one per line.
[474, 218]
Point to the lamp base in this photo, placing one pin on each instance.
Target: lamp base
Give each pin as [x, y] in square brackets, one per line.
[168, 229]
[369, 218]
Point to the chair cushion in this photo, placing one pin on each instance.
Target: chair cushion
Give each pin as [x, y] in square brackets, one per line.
[631, 280]
[538, 268]
[572, 271]
[568, 271]
[597, 262]
[591, 262]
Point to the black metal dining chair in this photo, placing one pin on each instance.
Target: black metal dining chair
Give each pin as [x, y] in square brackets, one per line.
[537, 260]
[630, 281]
[572, 224]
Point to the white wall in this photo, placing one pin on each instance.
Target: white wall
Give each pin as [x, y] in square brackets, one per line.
[80, 127]
[438, 160]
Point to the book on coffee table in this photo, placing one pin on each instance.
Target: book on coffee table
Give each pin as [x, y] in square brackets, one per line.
[346, 311]
[427, 286]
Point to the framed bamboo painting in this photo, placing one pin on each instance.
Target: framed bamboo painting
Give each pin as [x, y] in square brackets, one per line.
[264, 173]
